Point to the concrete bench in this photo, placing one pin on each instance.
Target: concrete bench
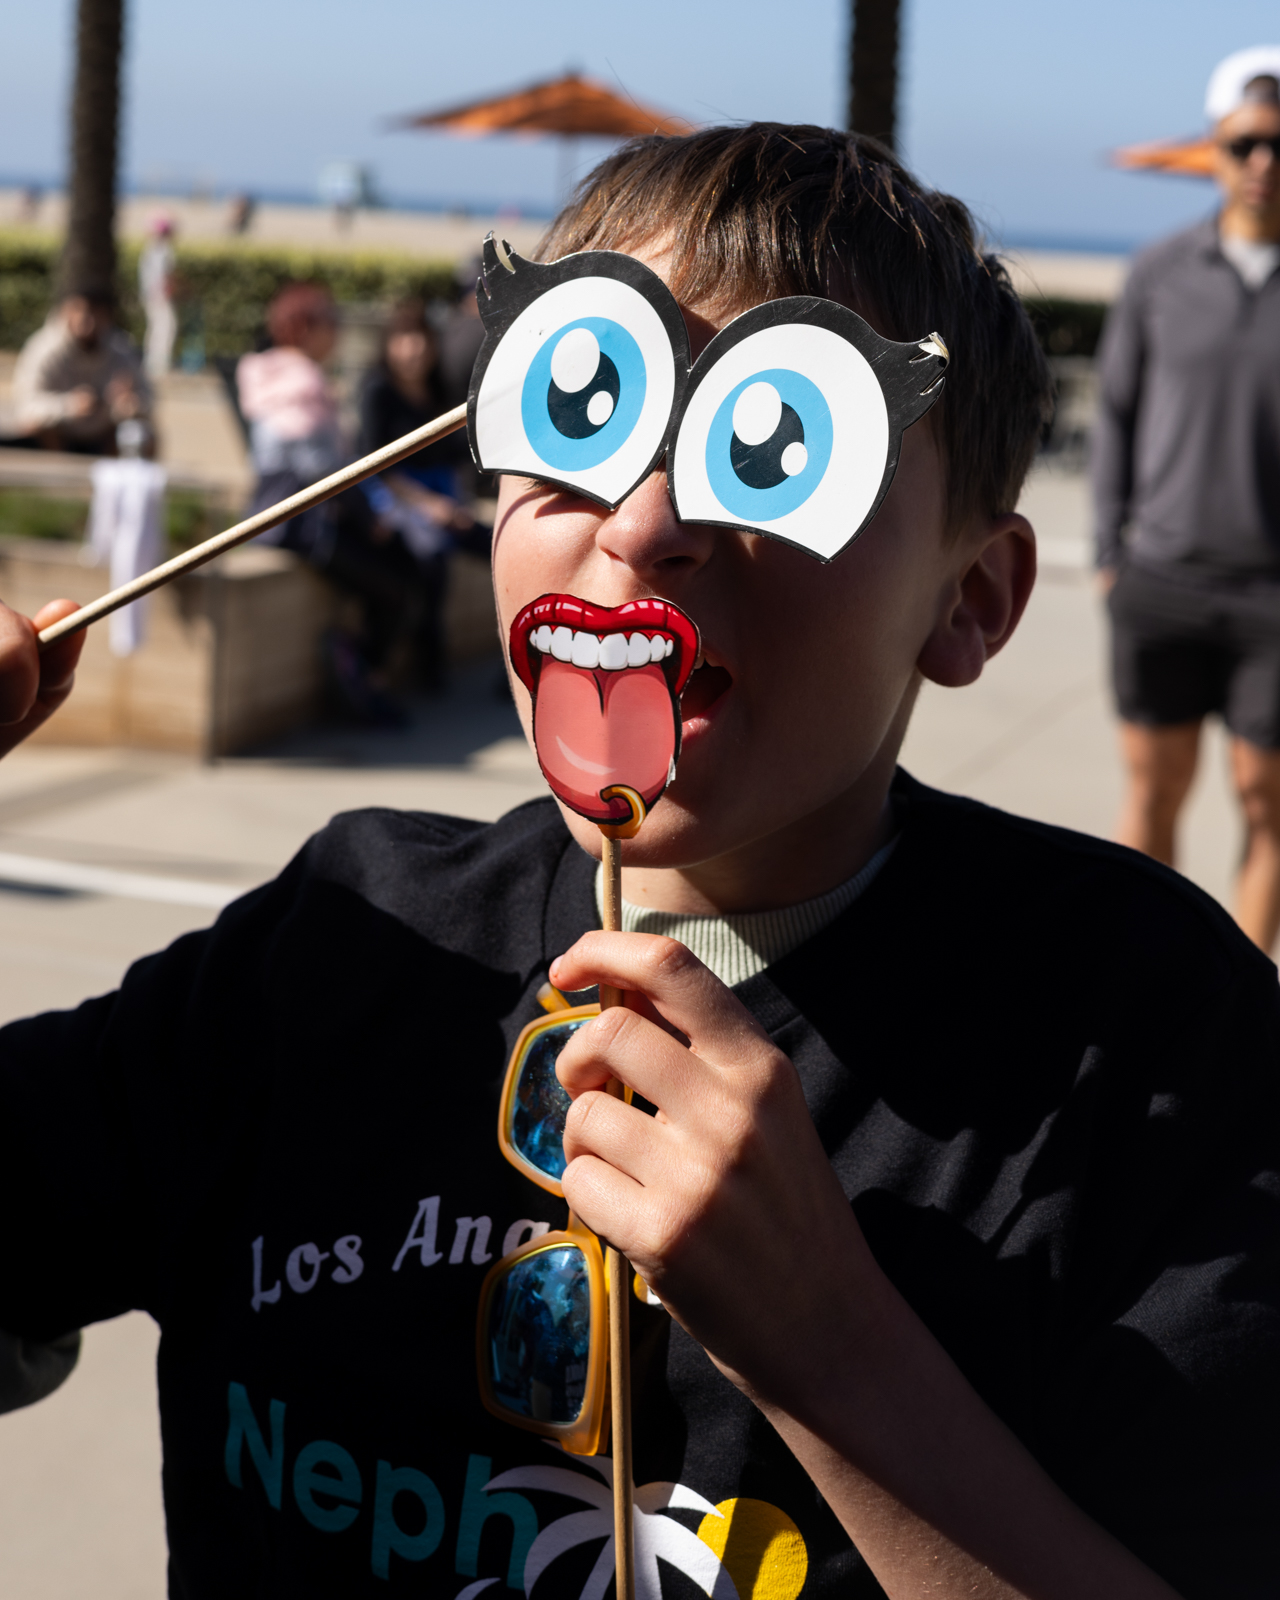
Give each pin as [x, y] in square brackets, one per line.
[232, 656]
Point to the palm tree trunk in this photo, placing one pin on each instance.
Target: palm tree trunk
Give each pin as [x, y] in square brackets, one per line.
[89, 255]
[873, 69]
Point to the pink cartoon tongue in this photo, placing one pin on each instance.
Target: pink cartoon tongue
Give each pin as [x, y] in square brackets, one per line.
[584, 745]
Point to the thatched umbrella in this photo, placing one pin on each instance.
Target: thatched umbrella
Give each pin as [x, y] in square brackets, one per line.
[569, 107]
[1185, 158]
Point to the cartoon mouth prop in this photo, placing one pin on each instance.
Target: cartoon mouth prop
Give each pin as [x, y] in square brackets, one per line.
[606, 684]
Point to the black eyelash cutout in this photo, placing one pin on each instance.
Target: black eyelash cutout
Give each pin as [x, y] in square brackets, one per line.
[609, 323]
[818, 384]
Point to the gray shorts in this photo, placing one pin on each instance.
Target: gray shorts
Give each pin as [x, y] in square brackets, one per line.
[1188, 646]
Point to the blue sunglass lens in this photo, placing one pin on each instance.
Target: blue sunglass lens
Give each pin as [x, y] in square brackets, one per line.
[539, 1105]
[539, 1335]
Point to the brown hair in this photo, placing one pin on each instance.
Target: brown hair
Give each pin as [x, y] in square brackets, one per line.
[408, 316]
[296, 309]
[767, 210]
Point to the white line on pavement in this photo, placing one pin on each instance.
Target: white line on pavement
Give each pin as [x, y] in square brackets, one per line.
[45, 874]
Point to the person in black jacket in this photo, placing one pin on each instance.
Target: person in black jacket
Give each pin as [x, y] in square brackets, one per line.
[420, 510]
[960, 1191]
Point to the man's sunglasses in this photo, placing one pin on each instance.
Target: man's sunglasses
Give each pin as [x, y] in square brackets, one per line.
[542, 1331]
[1242, 148]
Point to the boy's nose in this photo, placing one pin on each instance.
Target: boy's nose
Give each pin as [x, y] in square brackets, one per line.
[645, 534]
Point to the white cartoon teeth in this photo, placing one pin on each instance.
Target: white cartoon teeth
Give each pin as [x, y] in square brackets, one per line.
[586, 650]
[612, 652]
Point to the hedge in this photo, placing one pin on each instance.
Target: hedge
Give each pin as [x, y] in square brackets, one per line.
[32, 514]
[226, 284]
[1067, 327]
[232, 282]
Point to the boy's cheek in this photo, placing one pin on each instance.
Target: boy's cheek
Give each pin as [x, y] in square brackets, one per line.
[539, 545]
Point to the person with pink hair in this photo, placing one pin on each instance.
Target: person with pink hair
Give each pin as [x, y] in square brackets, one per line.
[296, 438]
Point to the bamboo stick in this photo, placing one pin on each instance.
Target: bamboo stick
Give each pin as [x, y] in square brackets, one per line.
[377, 461]
[619, 1271]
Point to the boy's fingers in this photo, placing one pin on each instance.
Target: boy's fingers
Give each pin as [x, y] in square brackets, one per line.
[608, 1201]
[19, 666]
[32, 685]
[619, 1044]
[627, 1138]
[58, 663]
[687, 994]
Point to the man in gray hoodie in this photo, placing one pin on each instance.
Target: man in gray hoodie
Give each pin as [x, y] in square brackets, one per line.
[1186, 476]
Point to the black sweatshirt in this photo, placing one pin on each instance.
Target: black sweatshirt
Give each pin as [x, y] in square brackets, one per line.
[1044, 1068]
[1186, 448]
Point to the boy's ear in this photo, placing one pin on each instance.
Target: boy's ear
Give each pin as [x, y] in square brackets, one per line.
[983, 602]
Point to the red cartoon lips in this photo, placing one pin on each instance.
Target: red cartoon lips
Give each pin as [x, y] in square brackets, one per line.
[606, 683]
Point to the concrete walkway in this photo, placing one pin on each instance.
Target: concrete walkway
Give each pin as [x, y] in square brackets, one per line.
[79, 1474]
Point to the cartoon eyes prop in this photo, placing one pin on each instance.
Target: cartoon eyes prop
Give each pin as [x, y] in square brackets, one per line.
[789, 424]
[792, 423]
[581, 368]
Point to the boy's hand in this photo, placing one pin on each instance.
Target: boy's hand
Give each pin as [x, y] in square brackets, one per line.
[33, 686]
[725, 1202]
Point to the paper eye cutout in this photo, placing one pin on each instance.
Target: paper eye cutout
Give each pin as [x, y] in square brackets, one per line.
[792, 423]
[583, 363]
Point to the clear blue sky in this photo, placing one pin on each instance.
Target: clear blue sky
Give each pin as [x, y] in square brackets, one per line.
[1012, 104]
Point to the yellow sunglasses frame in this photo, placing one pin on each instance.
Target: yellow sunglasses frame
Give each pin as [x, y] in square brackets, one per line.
[506, 1104]
[588, 1433]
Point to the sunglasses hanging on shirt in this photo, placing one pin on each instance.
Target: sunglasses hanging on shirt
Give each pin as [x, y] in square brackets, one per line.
[542, 1326]
[789, 424]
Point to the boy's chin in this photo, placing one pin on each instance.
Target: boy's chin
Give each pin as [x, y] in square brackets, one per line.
[671, 837]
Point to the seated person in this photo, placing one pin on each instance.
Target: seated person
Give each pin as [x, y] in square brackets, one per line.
[417, 502]
[961, 1195]
[295, 439]
[78, 377]
[294, 433]
[462, 333]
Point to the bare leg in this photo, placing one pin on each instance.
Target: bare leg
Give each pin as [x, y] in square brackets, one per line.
[1257, 779]
[1161, 763]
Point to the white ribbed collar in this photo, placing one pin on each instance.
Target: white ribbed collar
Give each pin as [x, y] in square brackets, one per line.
[738, 945]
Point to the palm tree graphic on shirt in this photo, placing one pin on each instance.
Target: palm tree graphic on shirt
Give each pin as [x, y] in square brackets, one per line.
[655, 1535]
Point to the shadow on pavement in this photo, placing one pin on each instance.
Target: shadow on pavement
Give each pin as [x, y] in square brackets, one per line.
[445, 730]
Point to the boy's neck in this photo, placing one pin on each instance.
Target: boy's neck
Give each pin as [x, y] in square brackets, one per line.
[808, 858]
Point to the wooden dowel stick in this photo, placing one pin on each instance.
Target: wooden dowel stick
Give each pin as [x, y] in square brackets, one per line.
[612, 875]
[619, 1269]
[189, 560]
[620, 1399]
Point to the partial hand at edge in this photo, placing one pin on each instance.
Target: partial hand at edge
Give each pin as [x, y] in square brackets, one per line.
[33, 686]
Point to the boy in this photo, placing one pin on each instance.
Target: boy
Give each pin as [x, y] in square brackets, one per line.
[1037, 1353]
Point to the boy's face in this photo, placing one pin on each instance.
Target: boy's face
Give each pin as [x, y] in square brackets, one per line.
[794, 721]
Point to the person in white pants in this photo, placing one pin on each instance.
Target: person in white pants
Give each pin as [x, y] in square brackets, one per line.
[155, 284]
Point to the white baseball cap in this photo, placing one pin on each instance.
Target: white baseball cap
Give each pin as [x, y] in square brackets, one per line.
[1226, 91]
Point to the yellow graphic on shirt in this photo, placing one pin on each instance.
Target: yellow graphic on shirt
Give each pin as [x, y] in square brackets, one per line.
[760, 1547]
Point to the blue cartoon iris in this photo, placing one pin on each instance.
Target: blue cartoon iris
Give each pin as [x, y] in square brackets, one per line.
[583, 394]
[769, 445]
